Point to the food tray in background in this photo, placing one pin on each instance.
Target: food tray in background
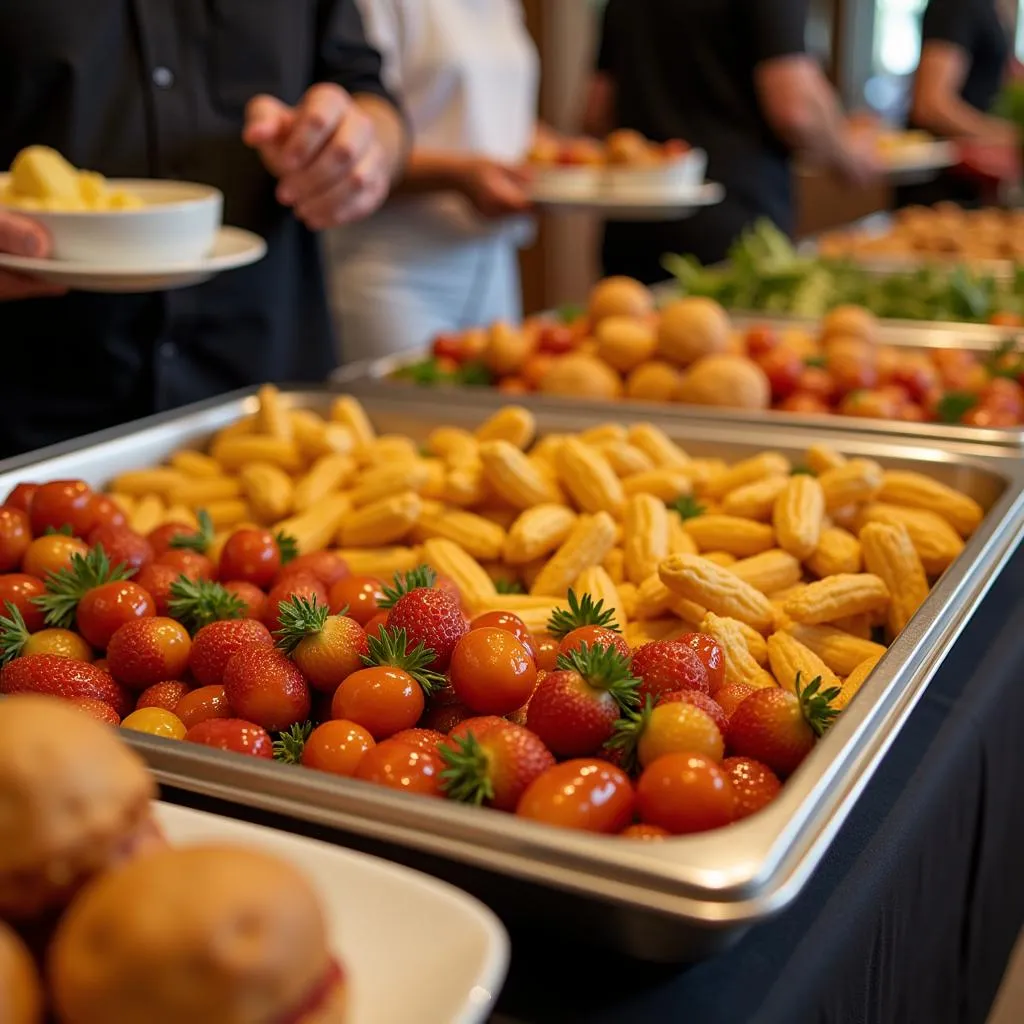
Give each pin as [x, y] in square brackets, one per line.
[375, 378]
[680, 899]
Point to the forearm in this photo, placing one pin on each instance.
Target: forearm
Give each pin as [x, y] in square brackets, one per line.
[953, 118]
[432, 171]
[818, 128]
[392, 132]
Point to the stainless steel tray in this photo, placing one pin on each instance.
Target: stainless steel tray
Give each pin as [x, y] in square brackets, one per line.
[375, 378]
[681, 899]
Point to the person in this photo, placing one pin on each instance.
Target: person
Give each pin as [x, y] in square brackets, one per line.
[441, 255]
[965, 55]
[731, 77]
[283, 109]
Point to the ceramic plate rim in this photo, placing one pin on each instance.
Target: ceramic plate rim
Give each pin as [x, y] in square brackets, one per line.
[689, 197]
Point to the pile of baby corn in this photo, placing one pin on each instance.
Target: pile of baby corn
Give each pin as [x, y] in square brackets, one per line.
[794, 569]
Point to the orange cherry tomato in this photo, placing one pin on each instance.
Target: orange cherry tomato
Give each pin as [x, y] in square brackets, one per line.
[647, 833]
[144, 651]
[514, 386]
[15, 537]
[492, 672]
[21, 497]
[382, 699]
[187, 563]
[60, 504]
[336, 747]
[422, 739]
[251, 555]
[20, 590]
[507, 621]
[402, 766]
[685, 793]
[104, 609]
[361, 595]
[586, 794]
[106, 511]
[376, 624]
[156, 722]
[61, 642]
[51, 553]
[594, 636]
[545, 652]
[201, 705]
[679, 728]
[326, 566]
[254, 598]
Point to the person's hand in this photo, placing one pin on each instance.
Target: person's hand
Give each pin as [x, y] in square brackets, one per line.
[325, 151]
[21, 236]
[495, 189]
[861, 165]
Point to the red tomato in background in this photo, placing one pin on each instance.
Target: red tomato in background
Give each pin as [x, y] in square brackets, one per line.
[162, 536]
[21, 497]
[104, 609]
[254, 598]
[19, 589]
[187, 563]
[123, 545]
[251, 555]
[106, 512]
[586, 794]
[232, 734]
[402, 766]
[361, 595]
[556, 339]
[806, 404]
[783, 368]
[816, 381]
[447, 346]
[60, 504]
[1003, 395]
[15, 537]
[760, 341]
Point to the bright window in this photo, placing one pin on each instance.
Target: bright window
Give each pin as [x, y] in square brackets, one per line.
[897, 45]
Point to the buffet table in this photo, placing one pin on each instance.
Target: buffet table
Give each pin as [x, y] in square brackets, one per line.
[913, 912]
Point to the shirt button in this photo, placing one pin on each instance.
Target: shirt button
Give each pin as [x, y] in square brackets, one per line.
[168, 350]
[163, 78]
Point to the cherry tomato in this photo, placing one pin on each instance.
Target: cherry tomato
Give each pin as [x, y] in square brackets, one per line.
[783, 367]
[232, 734]
[251, 555]
[303, 584]
[21, 497]
[336, 747]
[710, 652]
[536, 367]
[402, 766]
[586, 794]
[514, 386]
[760, 341]
[1003, 395]
[447, 346]
[731, 696]
[818, 382]
[678, 727]
[203, 704]
[645, 833]
[1004, 319]
[492, 671]
[162, 536]
[60, 504]
[326, 566]
[870, 405]
[918, 376]
[254, 598]
[156, 580]
[156, 722]
[162, 695]
[360, 594]
[19, 589]
[594, 636]
[123, 545]
[685, 793]
[546, 652]
[377, 623]
[991, 419]
[104, 609]
[556, 340]
[506, 620]
[51, 553]
[422, 739]
[382, 699]
[61, 642]
[754, 783]
[106, 512]
[804, 404]
[15, 537]
[851, 367]
[187, 563]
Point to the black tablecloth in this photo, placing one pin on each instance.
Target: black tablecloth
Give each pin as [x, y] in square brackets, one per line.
[912, 914]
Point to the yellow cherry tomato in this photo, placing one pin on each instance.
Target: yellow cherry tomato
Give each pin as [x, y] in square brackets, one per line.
[61, 642]
[156, 722]
[679, 728]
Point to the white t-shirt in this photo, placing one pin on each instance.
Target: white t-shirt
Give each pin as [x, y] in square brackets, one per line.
[468, 74]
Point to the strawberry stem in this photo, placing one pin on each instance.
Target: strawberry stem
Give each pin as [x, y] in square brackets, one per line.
[391, 647]
[466, 779]
[583, 611]
[299, 617]
[66, 587]
[287, 545]
[816, 704]
[688, 507]
[14, 634]
[604, 668]
[628, 731]
[290, 746]
[420, 578]
[197, 603]
[199, 541]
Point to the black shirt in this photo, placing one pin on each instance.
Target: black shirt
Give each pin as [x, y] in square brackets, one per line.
[685, 69]
[157, 88]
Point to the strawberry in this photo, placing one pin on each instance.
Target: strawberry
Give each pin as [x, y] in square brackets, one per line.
[163, 695]
[711, 654]
[423, 739]
[780, 728]
[756, 785]
[430, 617]
[122, 545]
[574, 709]
[495, 768]
[299, 584]
[585, 622]
[327, 648]
[216, 644]
[700, 700]
[197, 603]
[97, 709]
[63, 677]
[263, 686]
[147, 651]
[666, 665]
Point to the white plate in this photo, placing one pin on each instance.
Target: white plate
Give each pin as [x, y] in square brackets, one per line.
[414, 949]
[233, 248]
[658, 204]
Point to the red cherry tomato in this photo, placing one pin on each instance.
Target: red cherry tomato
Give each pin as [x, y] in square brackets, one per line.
[187, 563]
[804, 404]
[303, 585]
[104, 609]
[326, 566]
[586, 794]
[162, 536]
[232, 734]
[447, 346]
[510, 623]
[783, 368]
[361, 595]
[402, 766]
[15, 537]
[19, 589]
[710, 652]
[492, 671]
[201, 705]
[818, 382]
[251, 555]
[254, 598]
[336, 747]
[157, 580]
[556, 340]
[123, 545]
[106, 512]
[760, 341]
[545, 653]
[60, 504]
[21, 497]
[685, 793]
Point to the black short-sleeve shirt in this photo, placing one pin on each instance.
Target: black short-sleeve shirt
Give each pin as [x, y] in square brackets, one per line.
[974, 26]
[157, 88]
[685, 69]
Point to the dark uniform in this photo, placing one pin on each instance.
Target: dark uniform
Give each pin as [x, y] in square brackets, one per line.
[684, 69]
[974, 26]
[158, 88]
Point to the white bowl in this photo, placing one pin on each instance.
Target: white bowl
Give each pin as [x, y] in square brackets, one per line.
[577, 181]
[685, 172]
[178, 224]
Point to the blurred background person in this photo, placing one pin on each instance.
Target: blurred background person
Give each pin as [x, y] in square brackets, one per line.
[966, 53]
[731, 77]
[442, 255]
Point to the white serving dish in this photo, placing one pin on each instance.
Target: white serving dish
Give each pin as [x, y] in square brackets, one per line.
[414, 949]
[628, 183]
[576, 180]
[178, 224]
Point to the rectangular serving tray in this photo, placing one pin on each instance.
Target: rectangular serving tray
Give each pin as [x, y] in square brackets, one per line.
[680, 899]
